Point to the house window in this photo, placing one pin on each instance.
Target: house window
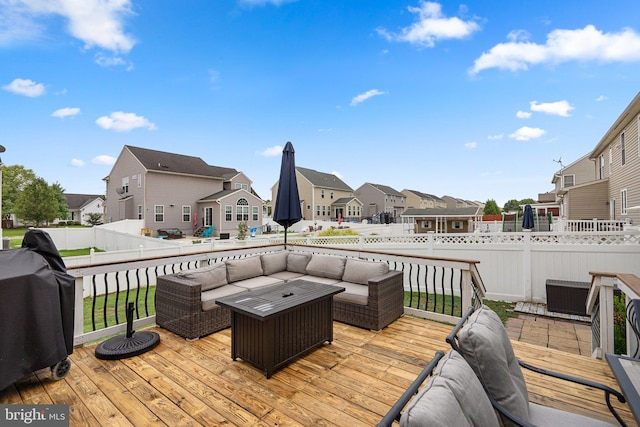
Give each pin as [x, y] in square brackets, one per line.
[308, 207]
[601, 160]
[426, 224]
[159, 213]
[568, 181]
[139, 211]
[254, 213]
[139, 180]
[186, 214]
[331, 195]
[228, 213]
[324, 210]
[610, 159]
[623, 202]
[322, 194]
[318, 210]
[457, 225]
[622, 150]
[242, 210]
[125, 184]
[240, 186]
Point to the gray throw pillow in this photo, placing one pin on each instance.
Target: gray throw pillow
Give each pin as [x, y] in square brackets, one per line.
[329, 266]
[274, 262]
[297, 262]
[243, 268]
[209, 277]
[453, 396]
[485, 345]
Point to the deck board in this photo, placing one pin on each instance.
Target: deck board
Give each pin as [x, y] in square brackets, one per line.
[351, 382]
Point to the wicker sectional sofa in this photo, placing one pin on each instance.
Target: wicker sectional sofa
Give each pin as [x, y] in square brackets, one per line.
[185, 301]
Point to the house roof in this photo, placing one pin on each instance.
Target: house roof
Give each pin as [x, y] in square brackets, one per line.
[161, 161]
[224, 193]
[345, 201]
[453, 212]
[630, 113]
[324, 180]
[387, 190]
[78, 201]
[425, 195]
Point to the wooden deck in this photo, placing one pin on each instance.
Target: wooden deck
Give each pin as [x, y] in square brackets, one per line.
[352, 382]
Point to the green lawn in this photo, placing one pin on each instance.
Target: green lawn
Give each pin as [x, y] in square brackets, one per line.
[17, 234]
[110, 310]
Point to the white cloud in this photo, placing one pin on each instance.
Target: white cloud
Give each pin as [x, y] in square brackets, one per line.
[95, 22]
[77, 163]
[523, 114]
[601, 98]
[431, 26]
[103, 159]
[526, 133]
[559, 108]
[586, 44]
[25, 87]
[471, 145]
[276, 150]
[124, 122]
[494, 137]
[65, 112]
[366, 95]
[265, 2]
[112, 61]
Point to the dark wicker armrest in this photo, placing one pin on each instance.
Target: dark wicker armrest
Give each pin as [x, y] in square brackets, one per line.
[183, 295]
[384, 288]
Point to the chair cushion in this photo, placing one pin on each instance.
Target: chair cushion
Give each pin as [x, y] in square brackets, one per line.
[209, 277]
[274, 262]
[329, 266]
[297, 262]
[257, 282]
[547, 416]
[485, 345]
[353, 292]
[453, 396]
[360, 271]
[243, 268]
[208, 298]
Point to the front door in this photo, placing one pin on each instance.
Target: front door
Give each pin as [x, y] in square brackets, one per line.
[208, 217]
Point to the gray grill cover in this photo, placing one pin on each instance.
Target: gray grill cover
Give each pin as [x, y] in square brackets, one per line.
[36, 308]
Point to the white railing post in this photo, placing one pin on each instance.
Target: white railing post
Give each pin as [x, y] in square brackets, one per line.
[606, 317]
[526, 266]
[467, 290]
[78, 310]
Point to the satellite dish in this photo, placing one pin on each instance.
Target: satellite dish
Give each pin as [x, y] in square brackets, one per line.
[120, 190]
[2, 149]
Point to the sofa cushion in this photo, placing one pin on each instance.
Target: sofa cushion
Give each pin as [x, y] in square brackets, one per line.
[323, 280]
[243, 268]
[209, 277]
[484, 343]
[360, 271]
[547, 416]
[208, 298]
[257, 282]
[453, 396]
[297, 262]
[329, 266]
[286, 275]
[353, 292]
[274, 262]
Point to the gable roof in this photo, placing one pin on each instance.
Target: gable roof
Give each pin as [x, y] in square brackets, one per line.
[454, 212]
[161, 161]
[216, 197]
[387, 190]
[78, 201]
[324, 180]
[425, 195]
[346, 201]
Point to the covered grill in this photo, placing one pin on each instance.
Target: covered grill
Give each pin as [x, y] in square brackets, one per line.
[36, 310]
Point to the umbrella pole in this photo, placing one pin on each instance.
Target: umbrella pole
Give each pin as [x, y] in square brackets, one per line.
[285, 237]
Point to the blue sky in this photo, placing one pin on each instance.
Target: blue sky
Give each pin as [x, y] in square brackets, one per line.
[473, 100]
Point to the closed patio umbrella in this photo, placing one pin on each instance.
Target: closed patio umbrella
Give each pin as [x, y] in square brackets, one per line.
[287, 207]
[527, 218]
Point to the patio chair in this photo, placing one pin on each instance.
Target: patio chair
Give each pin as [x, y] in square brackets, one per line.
[452, 396]
[481, 338]
[208, 232]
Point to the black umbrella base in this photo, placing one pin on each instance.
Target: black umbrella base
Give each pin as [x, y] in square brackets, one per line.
[121, 347]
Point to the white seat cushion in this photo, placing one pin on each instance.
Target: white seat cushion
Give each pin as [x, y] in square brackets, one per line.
[546, 416]
[208, 298]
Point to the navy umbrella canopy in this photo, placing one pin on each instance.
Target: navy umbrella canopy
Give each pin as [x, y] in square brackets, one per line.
[287, 206]
[527, 218]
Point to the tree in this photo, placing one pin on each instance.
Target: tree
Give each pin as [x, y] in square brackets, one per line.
[37, 204]
[94, 218]
[511, 205]
[491, 208]
[14, 180]
[63, 208]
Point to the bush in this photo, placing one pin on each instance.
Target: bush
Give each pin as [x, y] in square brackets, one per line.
[338, 232]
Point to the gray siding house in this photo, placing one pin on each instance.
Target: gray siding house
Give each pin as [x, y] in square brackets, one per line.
[380, 199]
[168, 190]
[81, 205]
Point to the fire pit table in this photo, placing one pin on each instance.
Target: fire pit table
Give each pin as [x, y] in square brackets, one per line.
[272, 326]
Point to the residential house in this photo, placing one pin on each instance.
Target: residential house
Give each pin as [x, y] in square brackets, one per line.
[578, 193]
[381, 201]
[455, 203]
[442, 220]
[419, 200]
[81, 205]
[617, 165]
[168, 190]
[324, 196]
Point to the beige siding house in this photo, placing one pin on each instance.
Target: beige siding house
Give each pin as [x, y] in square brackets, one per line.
[324, 196]
[617, 162]
[578, 193]
[381, 201]
[418, 200]
[442, 220]
[168, 190]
